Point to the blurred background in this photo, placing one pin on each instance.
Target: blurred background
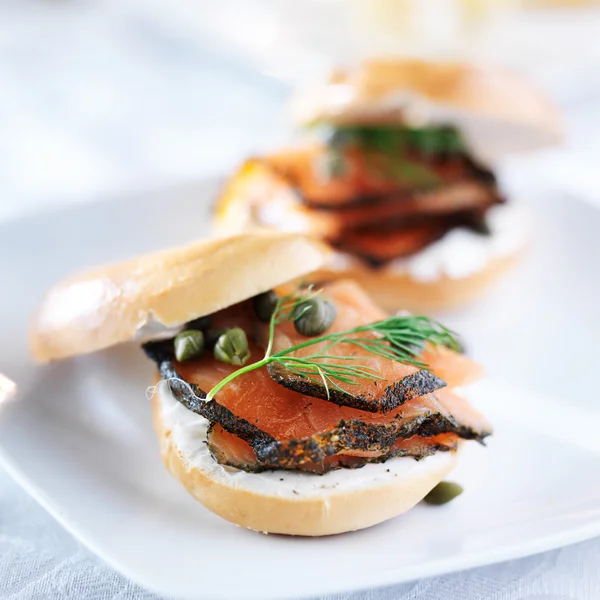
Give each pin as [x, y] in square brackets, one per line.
[106, 98]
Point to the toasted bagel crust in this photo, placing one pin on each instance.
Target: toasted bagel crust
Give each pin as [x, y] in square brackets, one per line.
[334, 509]
[110, 305]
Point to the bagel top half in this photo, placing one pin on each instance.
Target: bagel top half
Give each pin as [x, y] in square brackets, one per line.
[496, 110]
[114, 304]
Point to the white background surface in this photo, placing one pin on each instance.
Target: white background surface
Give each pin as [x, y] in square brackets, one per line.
[164, 111]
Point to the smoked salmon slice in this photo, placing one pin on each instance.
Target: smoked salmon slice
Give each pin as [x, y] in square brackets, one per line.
[262, 424]
[270, 199]
[232, 451]
[354, 309]
[399, 208]
[379, 246]
[365, 175]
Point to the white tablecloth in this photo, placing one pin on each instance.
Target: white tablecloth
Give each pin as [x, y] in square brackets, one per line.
[88, 108]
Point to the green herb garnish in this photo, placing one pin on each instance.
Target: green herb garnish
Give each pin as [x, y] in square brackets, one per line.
[388, 150]
[390, 139]
[396, 338]
[331, 165]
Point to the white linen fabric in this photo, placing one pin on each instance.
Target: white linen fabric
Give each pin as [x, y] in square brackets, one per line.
[41, 561]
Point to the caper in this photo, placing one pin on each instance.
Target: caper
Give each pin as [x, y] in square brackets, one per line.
[443, 492]
[188, 344]
[212, 335]
[330, 165]
[202, 323]
[338, 137]
[232, 347]
[314, 316]
[479, 224]
[264, 305]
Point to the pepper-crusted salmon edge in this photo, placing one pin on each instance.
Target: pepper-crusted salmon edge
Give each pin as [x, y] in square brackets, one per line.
[345, 436]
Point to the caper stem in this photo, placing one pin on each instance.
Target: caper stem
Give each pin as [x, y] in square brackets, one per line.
[272, 323]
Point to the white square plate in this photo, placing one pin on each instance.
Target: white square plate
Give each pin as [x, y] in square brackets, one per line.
[78, 434]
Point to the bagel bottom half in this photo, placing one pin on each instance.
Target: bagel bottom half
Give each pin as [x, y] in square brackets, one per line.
[287, 502]
[447, 274]
[401, 291]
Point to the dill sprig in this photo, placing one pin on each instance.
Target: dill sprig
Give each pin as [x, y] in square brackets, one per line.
[399, 338]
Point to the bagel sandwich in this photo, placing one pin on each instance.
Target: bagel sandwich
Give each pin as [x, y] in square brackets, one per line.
[282, 406]
[397, 177]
